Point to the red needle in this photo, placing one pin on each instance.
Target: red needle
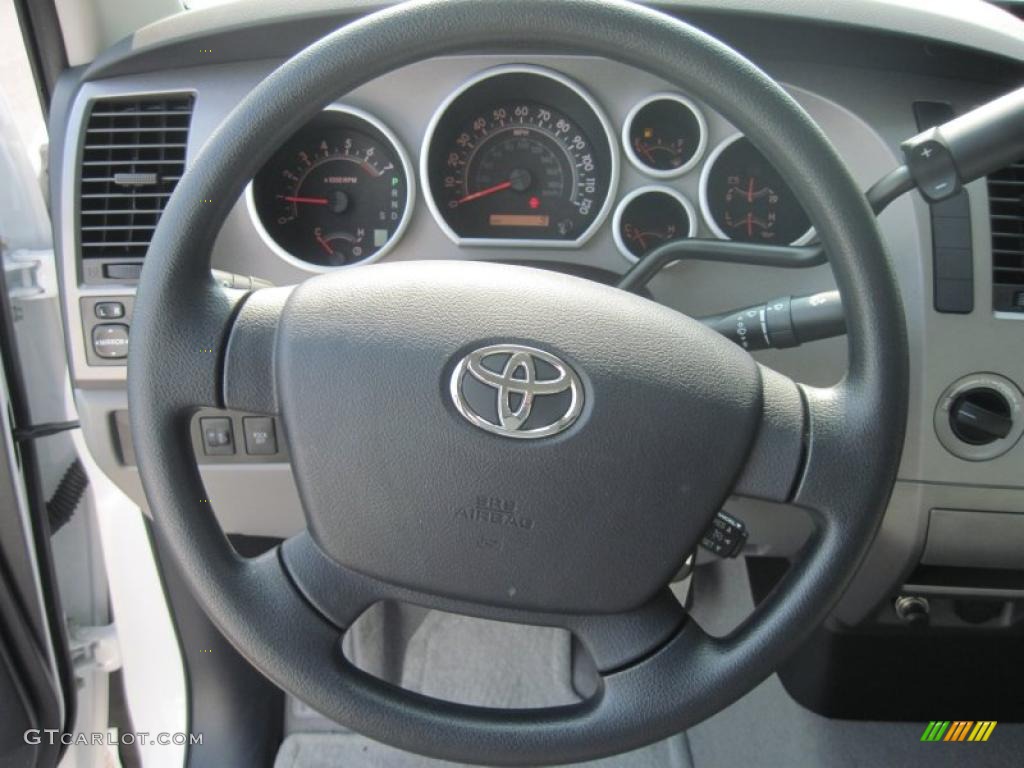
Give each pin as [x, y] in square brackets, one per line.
[484, 192]
[326, 246]
[643, 148]
[750, 190]
[310, 200]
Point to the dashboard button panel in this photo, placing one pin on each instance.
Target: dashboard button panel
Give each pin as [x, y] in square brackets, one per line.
[221, 436]
[106, 342]
[260, 437]
[218, 436]
[109, 310]
[110, 341]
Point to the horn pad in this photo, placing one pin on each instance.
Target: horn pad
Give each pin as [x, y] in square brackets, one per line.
[506, 435]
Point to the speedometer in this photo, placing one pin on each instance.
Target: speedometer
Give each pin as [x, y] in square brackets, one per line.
[520, 155]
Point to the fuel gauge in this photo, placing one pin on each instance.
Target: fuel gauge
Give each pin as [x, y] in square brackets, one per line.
[651, 216]
[664, 135]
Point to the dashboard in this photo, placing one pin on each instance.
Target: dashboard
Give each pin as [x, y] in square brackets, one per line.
[519, 156]
[558, 161]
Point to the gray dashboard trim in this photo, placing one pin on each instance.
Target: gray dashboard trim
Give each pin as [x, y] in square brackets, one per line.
[969, 23]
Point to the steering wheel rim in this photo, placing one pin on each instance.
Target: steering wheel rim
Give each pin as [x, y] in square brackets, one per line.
[283, 611]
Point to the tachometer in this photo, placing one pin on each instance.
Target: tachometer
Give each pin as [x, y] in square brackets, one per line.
[744, 198]
[519, 155]
[336, 193]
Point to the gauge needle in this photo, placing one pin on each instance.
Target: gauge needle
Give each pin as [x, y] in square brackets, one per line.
[309, 200]
[325, 245]
[485, 192]
[642, 149]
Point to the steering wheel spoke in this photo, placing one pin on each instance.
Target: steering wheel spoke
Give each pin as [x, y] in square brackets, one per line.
[248, 372]
[614, 640]
[776, 458]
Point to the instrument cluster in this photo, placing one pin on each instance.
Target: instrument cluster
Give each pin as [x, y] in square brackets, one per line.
[519, 156]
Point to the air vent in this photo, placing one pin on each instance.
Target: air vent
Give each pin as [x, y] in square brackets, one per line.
[132, 158]
[1006, 208]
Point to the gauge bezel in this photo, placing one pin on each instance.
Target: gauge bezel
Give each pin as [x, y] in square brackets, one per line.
[670, 173]
[403, 224]
[498, 242]
[702, 192]
[639, 192]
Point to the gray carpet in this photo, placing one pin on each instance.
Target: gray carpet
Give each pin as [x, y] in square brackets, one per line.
[348, 750]
[471, 661]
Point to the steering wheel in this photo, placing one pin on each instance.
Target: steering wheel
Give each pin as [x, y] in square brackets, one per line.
[407, 500]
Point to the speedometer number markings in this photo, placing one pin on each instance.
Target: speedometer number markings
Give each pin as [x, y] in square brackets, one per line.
[502, 167]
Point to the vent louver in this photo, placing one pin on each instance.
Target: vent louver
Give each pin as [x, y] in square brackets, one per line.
[1006, 210]
[132, 157]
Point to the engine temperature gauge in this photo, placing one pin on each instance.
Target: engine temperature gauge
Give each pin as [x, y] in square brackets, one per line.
[744, 198]
[649, 217]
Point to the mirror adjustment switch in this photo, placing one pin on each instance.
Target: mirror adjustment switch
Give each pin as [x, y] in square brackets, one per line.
[725, 536]
[218, 436]
[260, 438]
[109, 310]
[110, 341]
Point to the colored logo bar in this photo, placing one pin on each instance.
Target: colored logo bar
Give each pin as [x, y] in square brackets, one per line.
[958, 730]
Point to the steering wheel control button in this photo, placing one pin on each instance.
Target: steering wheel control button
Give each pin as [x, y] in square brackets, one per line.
[260, 437]
[725, 536]
[110, 341]
[516, 391]
[980, 417]
[109, 310]
[218, 436]
[931, 164]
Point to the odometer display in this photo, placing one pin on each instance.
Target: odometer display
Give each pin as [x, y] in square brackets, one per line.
[336, 193]
[504, 164]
